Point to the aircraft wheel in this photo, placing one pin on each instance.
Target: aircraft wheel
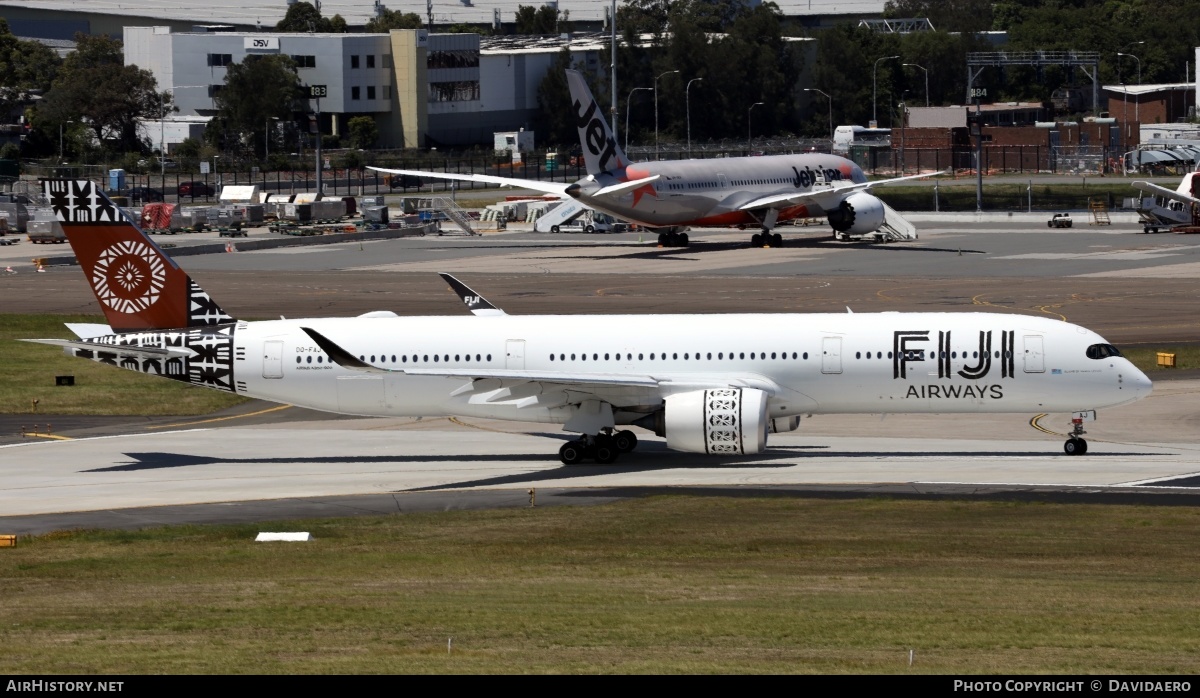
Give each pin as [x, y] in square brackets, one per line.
[776, 240]
[756, 240]
[570, 453]
[606, 453]
[663, 239]
[683, 239]
[625, 441]
[1075, 447]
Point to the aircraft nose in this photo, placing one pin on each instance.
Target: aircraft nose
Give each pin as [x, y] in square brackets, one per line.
[1140, 382]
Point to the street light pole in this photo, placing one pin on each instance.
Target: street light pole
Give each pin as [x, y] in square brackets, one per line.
[629, 103]
[749, 133]
[874, 72]
[1137, 114]
[656, 111]
[830, 100]
[688, 107]
[914, 65]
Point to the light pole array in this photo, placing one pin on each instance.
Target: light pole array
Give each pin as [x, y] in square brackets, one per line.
[830, 100]
[749, 133]
[688, 107]
[1137, 103]
[629, 103]
[874, 72]
[656, 111]
[914, 65]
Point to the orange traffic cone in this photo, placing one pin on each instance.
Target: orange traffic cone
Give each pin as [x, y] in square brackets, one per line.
[41, 269]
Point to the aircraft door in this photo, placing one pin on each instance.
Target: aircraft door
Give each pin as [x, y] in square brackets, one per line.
[831, 355]
[1035, 360]
[722, 182]
[273, 359]
[514, 354]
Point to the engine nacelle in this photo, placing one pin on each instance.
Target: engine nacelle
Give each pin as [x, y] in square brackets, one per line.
[858, 214]
[731, 420]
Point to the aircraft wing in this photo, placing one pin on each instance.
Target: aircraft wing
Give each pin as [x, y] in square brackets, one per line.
[117, 349]
[548, 187]
[1150, 188]
[825, 198]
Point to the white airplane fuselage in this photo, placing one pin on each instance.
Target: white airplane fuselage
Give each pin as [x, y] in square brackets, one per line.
[806, 364]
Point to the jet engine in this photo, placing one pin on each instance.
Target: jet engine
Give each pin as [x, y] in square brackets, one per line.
[858, 214]
[731, 420]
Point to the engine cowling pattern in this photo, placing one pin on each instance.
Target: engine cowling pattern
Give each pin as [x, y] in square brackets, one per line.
[730, 420]
[858, 214]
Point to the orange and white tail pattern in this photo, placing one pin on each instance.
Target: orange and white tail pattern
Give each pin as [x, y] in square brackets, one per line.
[139, 287]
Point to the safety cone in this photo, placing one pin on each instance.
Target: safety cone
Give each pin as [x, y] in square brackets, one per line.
[9, 270]
[41, 269]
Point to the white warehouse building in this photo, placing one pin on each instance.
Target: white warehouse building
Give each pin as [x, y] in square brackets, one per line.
[422, 89]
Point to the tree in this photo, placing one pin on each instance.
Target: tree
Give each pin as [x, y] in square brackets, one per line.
[95, 85]
[957, 16]
[364, 132]
[255, 90]
[390, 20]
[305, 17]
[555, 120]
[25, 66]
[541, 20]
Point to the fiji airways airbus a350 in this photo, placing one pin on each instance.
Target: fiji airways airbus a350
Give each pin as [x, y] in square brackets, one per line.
[709, 383]
[746, 191]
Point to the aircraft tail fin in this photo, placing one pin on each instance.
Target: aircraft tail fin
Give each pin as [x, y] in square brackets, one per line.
[600, 150]
[139, 287]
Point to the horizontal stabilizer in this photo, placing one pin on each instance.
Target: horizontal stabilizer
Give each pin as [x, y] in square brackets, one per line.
[627, 186]
[117, 349]
[89, 330]
[1151, 188]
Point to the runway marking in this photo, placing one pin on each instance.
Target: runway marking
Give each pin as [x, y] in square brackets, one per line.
[220, 419]
[101, 438]
[47, 436]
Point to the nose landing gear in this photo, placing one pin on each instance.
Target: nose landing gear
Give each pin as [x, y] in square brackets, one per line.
[1076, 445]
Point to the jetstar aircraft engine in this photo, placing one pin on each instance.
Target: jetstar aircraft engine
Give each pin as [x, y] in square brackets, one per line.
[858, 214]
[732, 420]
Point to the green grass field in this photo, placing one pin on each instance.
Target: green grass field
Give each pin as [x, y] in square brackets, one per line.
[666, 584]
[29, 371]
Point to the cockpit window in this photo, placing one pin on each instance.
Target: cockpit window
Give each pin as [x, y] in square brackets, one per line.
[1102, 351]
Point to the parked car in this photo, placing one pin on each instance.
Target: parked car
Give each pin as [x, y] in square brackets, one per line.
[145, 195]
[1060, 220]
[396, 181]
[195, 189]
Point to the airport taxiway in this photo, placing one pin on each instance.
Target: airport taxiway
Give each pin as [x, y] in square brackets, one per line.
[1129, 287]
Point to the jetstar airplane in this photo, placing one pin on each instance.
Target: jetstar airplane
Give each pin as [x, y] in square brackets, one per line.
[747, 191]
[708, 383]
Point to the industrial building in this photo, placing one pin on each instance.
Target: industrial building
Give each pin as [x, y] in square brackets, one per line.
[421, 88]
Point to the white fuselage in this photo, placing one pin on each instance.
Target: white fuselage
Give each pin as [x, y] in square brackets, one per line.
[811, 363]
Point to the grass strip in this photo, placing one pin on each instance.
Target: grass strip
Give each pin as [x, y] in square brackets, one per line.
[665, 584]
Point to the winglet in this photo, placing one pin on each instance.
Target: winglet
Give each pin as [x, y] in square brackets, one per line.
[476, 303]
[340, 356]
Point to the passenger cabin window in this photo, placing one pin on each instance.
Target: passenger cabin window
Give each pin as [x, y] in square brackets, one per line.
[1102, 351]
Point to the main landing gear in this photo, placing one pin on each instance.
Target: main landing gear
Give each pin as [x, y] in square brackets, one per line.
[672, 239]
[1076, 445]
[766, 239]
[602, 448]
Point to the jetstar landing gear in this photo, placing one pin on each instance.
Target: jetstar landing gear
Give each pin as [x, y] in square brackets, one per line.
[766, 238]
[1075, 445]
[672, 239]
